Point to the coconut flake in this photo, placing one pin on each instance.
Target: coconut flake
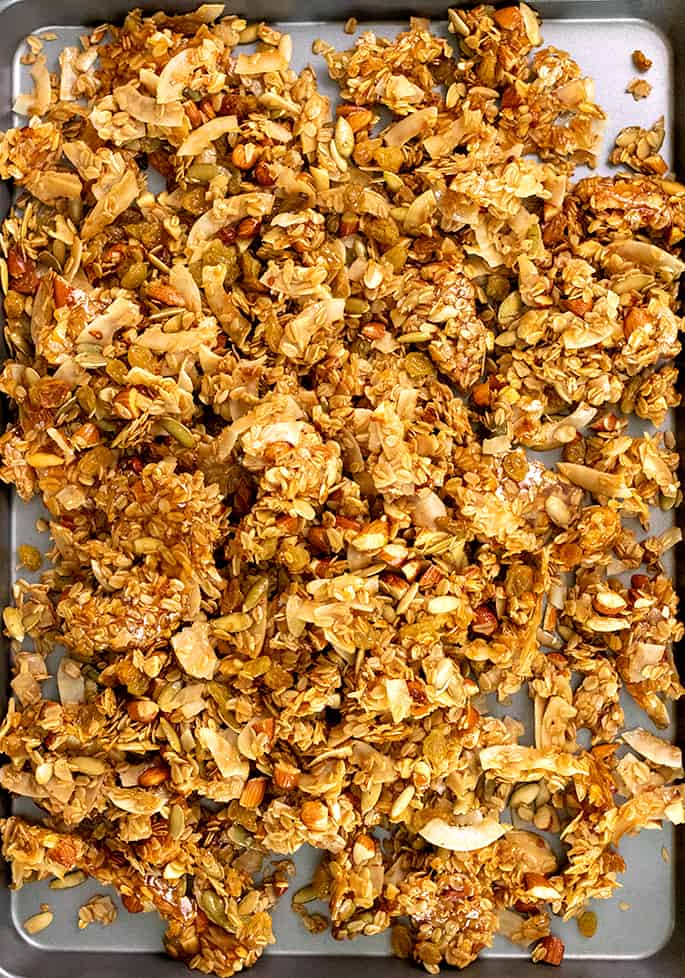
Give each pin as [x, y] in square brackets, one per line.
[655, 749]
[463, 838]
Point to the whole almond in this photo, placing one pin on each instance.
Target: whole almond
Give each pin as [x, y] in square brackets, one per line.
[253, 793]
[142, 711]
[314, 814]
[153, 776]
[286, 775]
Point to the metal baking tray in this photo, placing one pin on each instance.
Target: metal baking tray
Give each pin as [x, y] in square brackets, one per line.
[646, 940]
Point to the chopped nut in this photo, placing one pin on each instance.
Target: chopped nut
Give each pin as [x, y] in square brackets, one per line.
[549, 950]
[142, 711]
[153, 776]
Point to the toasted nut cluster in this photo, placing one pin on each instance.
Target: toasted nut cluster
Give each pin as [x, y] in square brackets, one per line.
[276, 368]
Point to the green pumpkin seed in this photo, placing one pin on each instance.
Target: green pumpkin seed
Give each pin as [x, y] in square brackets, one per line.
[170, 735]
[135, 275]
[68, 881]
[203, 172]
[178, 431]
[255, 594]
[213, 906]
[50, 261]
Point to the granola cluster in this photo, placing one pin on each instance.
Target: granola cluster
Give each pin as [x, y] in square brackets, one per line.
[279, 416]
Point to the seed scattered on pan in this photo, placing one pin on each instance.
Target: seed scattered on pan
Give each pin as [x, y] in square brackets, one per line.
[68, 881]
[38, 922]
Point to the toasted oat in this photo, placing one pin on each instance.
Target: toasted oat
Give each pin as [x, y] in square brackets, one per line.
[97, 910]
[280, 414]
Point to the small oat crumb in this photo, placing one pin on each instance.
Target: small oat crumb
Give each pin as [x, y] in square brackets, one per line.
[665, 854]
[639, 88]
[350, 25]
[623, 905]
[29, 557]
[35, 43]
[641, 61]
[97, 910]
[50, 36]
[42, 525]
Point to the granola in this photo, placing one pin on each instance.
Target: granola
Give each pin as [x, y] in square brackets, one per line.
[641, 61]
[639, 88]
[279, 415]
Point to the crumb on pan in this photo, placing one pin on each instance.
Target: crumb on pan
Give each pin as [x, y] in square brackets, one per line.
[277, 371]
[641, 61]
[639, 88]
[39, 921]
[100, 909]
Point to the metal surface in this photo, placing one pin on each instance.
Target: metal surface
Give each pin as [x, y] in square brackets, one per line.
[649, 937]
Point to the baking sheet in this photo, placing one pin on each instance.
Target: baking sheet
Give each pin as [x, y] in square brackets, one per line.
[603, 49]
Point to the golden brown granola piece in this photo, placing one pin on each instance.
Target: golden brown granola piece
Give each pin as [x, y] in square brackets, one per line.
[641, 61]
[639, 88]
[639, 148]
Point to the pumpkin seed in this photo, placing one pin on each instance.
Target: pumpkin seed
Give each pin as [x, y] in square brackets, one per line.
[135, 275]
[178, 431]
[59, 250]
[39, 921]
[236, 622]
[75, 209]
[169, 734]
[69, 881]
[213, 906]
[203, 172]
[177, 822]
[255, 594]
[50, 261]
